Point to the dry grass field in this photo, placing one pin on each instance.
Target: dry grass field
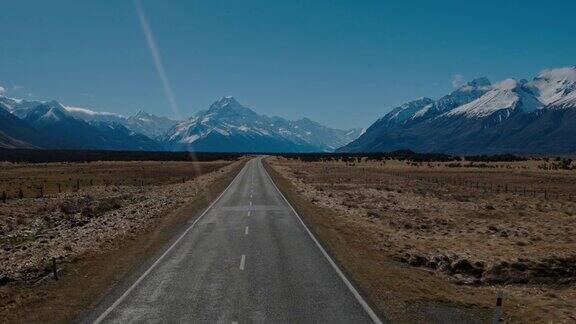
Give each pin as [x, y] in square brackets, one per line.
[416, 236]
[115, 216]
[35, 180]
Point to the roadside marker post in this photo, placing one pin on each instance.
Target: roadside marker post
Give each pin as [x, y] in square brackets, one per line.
[498, 310]
[54, 268]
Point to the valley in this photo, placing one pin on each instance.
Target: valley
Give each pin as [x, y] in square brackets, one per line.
[287, 162]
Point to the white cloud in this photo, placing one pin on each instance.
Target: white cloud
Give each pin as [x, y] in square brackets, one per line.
[457, 80]
[2, 90]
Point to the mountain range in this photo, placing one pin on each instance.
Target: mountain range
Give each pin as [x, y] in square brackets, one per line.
[225, 126]
[480, 117]
[511, 116]
[228, 126]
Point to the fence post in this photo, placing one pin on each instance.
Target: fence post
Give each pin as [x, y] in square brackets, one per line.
[498, 310]
[4, 196]
[77, 184]
[41, 191]
[545, 194]
[59, 188]
[20, 194]
[54, 268]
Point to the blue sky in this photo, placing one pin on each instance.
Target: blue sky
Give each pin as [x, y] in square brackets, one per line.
[342, 63]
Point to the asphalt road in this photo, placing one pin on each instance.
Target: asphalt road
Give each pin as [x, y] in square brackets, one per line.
[247, 259]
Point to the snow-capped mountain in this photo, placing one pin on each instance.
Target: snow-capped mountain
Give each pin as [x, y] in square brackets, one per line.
[329, 139]
[505, 98]
[537, 116]
[463, 95]
[556, 88]
[225, 126]
[18, 107]
[36, 124]
[16, 133]
[141, 122]
[228, 126]
[402, 114]
[66, 131]
[150, 125]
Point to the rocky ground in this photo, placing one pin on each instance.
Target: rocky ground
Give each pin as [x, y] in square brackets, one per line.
[483, 228]
[66, 226]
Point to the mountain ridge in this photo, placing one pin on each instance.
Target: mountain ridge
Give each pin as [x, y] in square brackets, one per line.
[511, 116]
[225, 126]
[240, 128]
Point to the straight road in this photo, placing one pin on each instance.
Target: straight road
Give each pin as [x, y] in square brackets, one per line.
[247, 259]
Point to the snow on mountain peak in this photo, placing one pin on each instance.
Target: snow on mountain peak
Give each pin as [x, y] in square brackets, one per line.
[51, 111]
[52, 114]
[227, 108]
[508, 94]
[407, 110]
[242, 126]
[557, 87]
[463, 95]
[225, 101]
[508, 84]
[564, 73]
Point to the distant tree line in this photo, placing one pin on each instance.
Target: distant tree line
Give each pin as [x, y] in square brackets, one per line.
[45, 156]
[496, 158]
[403, 155]
[357, 157]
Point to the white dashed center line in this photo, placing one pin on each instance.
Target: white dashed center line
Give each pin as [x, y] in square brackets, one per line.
[242, 262]
[246, 231]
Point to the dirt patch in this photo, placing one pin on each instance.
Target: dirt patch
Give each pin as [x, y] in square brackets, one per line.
[416, 234]
[98, 235]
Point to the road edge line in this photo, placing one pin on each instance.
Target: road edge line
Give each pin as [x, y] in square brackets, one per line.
[346, 281]
[145, 274]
